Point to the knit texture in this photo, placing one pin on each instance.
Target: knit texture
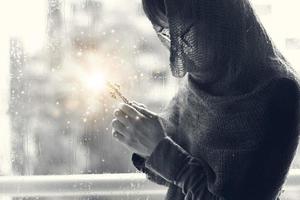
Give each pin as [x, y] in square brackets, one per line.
[205, 34]
[237, 147]
[232, 132]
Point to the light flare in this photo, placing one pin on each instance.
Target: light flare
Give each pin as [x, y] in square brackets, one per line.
[96, 82]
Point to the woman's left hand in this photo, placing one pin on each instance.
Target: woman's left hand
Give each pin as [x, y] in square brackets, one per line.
[137, 128]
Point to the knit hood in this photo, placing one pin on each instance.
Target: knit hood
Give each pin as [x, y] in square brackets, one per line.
[213, 36]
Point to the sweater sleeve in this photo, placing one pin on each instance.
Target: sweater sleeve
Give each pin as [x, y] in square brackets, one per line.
[270, 164]
[177, 166]
[139, 163]
[168, 120]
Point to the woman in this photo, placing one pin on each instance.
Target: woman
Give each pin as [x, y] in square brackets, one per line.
[231, 131]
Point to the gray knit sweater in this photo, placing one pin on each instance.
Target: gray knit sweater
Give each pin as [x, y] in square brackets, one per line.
[232, 148]
[237, 146]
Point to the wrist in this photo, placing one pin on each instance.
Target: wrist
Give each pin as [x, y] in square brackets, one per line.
[155, 145]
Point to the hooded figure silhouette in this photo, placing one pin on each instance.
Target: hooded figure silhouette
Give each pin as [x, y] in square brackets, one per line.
[215, 41]
[232, 128]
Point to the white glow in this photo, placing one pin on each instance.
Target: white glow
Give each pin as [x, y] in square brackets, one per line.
[25, 20]
[96, 81]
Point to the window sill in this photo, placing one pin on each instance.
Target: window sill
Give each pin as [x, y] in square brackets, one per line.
[117, 185]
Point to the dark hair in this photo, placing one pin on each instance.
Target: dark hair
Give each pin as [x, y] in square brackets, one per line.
[155, 10]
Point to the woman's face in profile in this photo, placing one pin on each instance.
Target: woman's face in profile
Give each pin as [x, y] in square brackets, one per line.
[191, 51]
[163, 35]
[183, 35]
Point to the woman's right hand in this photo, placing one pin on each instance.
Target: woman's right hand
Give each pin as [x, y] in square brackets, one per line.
[137, 128]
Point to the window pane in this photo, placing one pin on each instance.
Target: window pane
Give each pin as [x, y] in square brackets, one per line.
[55, 111]
[58, 55]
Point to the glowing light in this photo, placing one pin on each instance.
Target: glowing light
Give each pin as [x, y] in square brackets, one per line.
[96, 82]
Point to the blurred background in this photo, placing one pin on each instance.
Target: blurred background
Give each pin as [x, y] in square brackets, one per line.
[55, 55]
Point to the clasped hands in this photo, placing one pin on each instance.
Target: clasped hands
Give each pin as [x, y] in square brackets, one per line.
[137, 128]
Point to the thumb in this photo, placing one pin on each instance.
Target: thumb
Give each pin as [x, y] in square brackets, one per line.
[143, 110]
[137, 104]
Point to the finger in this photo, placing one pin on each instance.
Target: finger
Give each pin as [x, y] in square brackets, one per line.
[137, 105]
[118, 136]
[122, 117]
[142, 109]
[146, 112]
[129, 110]
[126, 131]
[125, 141]
[118, 126]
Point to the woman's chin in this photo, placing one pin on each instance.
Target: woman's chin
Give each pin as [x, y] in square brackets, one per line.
[178, 74]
